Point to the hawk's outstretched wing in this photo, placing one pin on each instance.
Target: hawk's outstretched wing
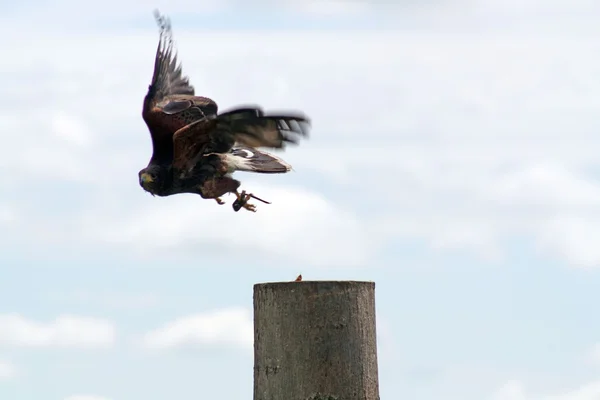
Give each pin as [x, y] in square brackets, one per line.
[245, 126]
[170, 103]
[250, 127]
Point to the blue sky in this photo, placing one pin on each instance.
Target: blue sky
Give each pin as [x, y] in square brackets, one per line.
[453, 160]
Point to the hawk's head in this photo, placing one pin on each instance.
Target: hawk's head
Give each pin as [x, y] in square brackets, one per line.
[149, 179]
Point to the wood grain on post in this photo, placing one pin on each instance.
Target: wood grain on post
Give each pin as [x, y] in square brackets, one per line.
[315, 341]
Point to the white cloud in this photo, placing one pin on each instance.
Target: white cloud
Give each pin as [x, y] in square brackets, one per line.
[233, 326]
[64, 331]
[7, 214]
[543, 184]
[298, 224]
[512, 390]
[7, 370]
[590, 391]
[573, 237]
[70, 129]
[56, 147]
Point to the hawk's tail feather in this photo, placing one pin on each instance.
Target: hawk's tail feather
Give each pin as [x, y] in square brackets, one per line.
[253, 160]
[251, 127]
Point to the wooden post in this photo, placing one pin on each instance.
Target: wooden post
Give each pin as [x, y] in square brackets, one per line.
[315, 341]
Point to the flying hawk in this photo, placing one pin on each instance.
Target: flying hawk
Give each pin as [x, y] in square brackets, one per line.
[195, 149]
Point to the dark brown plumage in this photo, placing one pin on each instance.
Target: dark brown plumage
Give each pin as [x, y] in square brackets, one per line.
[195, 149]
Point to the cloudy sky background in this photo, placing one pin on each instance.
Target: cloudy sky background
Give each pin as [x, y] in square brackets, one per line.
[453, 161]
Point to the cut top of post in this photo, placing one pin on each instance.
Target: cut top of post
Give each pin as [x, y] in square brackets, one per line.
[317, 285]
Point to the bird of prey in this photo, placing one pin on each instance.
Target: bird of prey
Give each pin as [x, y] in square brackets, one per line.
[195, 149]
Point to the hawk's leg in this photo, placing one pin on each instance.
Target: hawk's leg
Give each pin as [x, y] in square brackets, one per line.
[242, 201]
[216, 187]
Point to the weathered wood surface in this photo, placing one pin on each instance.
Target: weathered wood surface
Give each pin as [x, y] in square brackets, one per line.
[315, 340]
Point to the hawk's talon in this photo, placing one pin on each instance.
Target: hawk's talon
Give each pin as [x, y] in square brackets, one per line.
[218, 200]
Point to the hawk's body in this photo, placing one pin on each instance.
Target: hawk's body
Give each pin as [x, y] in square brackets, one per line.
[195, 149]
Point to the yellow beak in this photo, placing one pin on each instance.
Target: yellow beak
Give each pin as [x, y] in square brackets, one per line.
[146, 178]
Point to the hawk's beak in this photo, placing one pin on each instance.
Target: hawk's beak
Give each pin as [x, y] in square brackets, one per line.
[146, 178]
